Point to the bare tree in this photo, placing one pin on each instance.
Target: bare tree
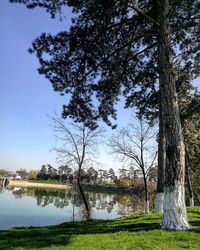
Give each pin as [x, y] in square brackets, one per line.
[76, 146]
[133, 146]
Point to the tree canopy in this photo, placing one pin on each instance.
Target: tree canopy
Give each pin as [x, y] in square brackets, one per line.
[111, 50]
[126, 48]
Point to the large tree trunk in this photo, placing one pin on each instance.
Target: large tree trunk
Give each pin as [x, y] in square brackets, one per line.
[161, 167]
[174, 209]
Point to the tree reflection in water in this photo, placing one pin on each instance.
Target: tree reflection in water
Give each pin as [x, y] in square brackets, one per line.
[72, 201]
[86, 211]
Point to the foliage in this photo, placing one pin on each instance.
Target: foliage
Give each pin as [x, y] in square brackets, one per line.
[90, 176]
[111, 50]
[47, 172]
[195, 178]
[51, 6]
[189, 100]
[124, 182]
[138, 231]
[32, 175]
[111, 174]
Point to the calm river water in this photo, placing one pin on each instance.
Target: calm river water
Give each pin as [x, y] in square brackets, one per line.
[40, 207]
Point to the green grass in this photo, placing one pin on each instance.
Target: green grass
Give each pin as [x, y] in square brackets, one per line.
[138, 231]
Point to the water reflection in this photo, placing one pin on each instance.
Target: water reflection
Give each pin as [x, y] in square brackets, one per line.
[124, 204]
[40, 207]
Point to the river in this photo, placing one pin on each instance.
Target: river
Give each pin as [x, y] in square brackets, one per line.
[20, 207]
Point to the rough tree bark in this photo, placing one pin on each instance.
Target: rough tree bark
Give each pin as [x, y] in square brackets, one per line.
[174, 209]
[161, 163]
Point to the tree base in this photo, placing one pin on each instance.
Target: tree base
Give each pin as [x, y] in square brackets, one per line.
[146, 207]
[159, 203]
[192, 202]
[174, 209]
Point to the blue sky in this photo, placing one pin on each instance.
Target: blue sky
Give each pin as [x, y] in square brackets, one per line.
[26, 98]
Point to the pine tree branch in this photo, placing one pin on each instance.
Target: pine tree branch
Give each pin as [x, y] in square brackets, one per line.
[140, 12]
[111, 54]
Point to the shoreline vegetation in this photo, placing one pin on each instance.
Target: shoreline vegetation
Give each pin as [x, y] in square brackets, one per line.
[136, 231]
[86, 187]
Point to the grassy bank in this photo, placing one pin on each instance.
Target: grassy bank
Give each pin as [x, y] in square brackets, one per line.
[135, 232]
[40, 184]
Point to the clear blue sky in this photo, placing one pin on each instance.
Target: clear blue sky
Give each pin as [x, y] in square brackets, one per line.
[26, 98]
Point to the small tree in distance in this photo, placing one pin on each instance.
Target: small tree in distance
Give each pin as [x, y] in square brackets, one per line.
[32, 175]
[76, 147]
[133, 146]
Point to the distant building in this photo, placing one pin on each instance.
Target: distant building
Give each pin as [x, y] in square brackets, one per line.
[137, 173]
[18, 177]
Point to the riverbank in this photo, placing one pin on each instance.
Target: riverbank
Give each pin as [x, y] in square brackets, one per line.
[139, 189]
[21, 183]
[114, 189]
[137, 231]
[86, 187]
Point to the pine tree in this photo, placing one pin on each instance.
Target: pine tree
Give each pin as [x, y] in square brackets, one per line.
[115, 48]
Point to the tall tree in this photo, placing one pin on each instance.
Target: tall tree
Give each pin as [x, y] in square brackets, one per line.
[93, 174]
[174, 194]
[102, 175]
[189, 109]
[115, 47]
[42, 173]
[111, 174]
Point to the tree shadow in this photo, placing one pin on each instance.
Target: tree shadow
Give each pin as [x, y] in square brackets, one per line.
[61, 235]
[194, 213]
[37, 237]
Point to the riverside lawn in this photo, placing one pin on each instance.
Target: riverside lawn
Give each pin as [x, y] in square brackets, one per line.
[134, 232]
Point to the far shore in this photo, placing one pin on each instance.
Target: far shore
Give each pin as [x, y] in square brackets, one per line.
[87, 187]
[22, 183]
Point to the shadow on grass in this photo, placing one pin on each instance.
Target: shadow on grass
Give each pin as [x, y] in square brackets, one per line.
[38, 237]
